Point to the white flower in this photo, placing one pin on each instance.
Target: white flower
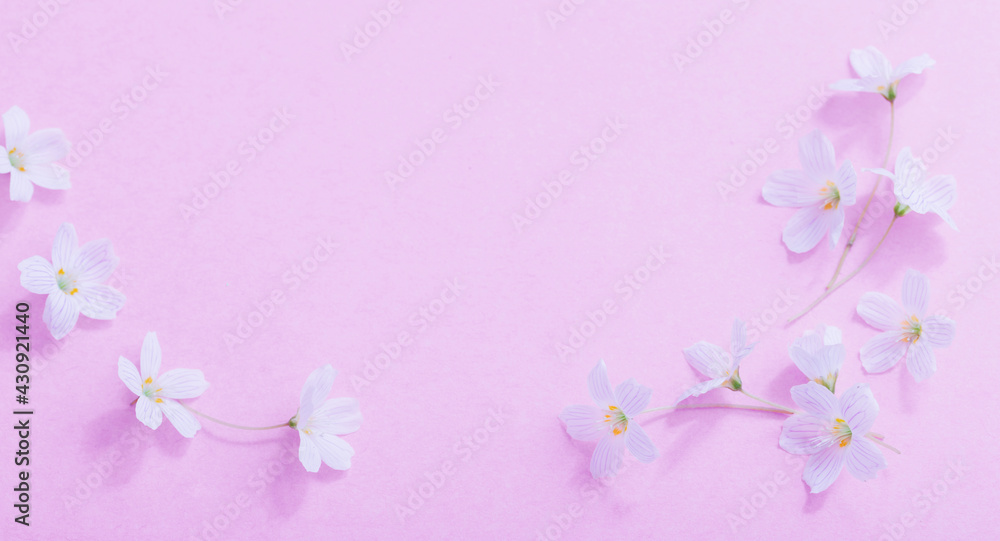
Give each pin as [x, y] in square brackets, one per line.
[721, 367]
[73, 281]
[611, 422]
[834, 432]
[820, 190]
[907, 332]
[819, 355]
[157, 394]
[320, 422]
[919, 194]
[876, 73]
[30, 158]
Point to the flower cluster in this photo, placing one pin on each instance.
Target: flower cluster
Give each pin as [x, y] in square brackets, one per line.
[31, 157]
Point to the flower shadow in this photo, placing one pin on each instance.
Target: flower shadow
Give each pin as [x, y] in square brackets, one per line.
[815, 502]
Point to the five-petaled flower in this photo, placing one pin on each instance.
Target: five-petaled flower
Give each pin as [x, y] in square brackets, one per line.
[158, 394]
[921, 195]
[721, 367]
[320, 421]
[820, 190]
[819, 355]
[72, 281]
[876, 73]
[834, 432]
[30, 158]
[611, 422]
[907, 331]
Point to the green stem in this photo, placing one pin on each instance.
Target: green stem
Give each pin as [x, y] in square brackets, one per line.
[214, 420]
[784, 411]
[878, 441]
[768, 402]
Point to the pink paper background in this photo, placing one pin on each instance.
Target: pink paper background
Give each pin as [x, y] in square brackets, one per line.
[494, 347]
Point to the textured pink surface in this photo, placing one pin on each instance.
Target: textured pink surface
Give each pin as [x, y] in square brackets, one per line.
[544, 90]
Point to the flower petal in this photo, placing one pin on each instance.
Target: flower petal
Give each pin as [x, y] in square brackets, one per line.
[61, 313]
[337, 416]
[881, 311]
[937, 331]
[852, 85]
[792, 188]
[883, 351]
[863, 458]
[607, 458]
[315, 390]
[916, 293]
[709, 359]
[936, 194]
[16, 126]
[817, 156]
[99, 301]
[913, 66]
[148, 413]
[37, 275]
[823, 468]
[4, 164]
[832, 359]
[631, 397]
[182, 383]
[334, 451]
[150, 357]
[847, 184]
[95, 261]
[599, 386]
[836, 218]
[309, 453]
[920, 360]
[810, 342]
[804, 434]
[50, 176]
[859, 409]
[816, 399]
[639, 444]
[129, 375]
[182, 419]
[21, 188]
[584, 422]
[831, 335]
[871, 63]
[702, 388]
[738, 341]
[64, 247]
[45, 146]
[806, 227]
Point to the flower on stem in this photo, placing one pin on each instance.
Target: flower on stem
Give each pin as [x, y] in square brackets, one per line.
[721, 367]
[320, 421]
[30, 158]
[819, 355]
[834, 432]
[611, 422]
[921, 195]
[906, 330]
[157, 394]
[72, 281]
[820, 190]
[876, 72]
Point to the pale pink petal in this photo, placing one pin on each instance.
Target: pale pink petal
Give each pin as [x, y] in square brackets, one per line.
[738, 342]
[852, 85]
[37, 275]
[920, 360]
[863, 458]
[823, 468]
[631, 397]
[702, 388]
[808, 363]
[150, 356]
[148, 412]
[64, 247]
[804, 434]
[859, 408]
[916, 293]
[883, 172]
[836, 220]
[182, 419]
[938, 331]
[45, 146]
[600, 386]
[809, 342]
[49, 175]
[607, 458]
[914, 66]
[881, 311]
[337, 416]
[21, 188]
[871, 63]
[639, 444]
[817, 156]
[334, 451]
[806, 228]
[5, 166]
[129, 375]
[936, 194]
[584, 422]
[99, 301]
[792, 188]
[309, 453]
[883, 351]
[95, 261]
[816, 400]
[709, 359]
[182, 383]
[831, 335]
[61, 313]
[847, 184]
[16, 126]
[315, 391]
[832, 359]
